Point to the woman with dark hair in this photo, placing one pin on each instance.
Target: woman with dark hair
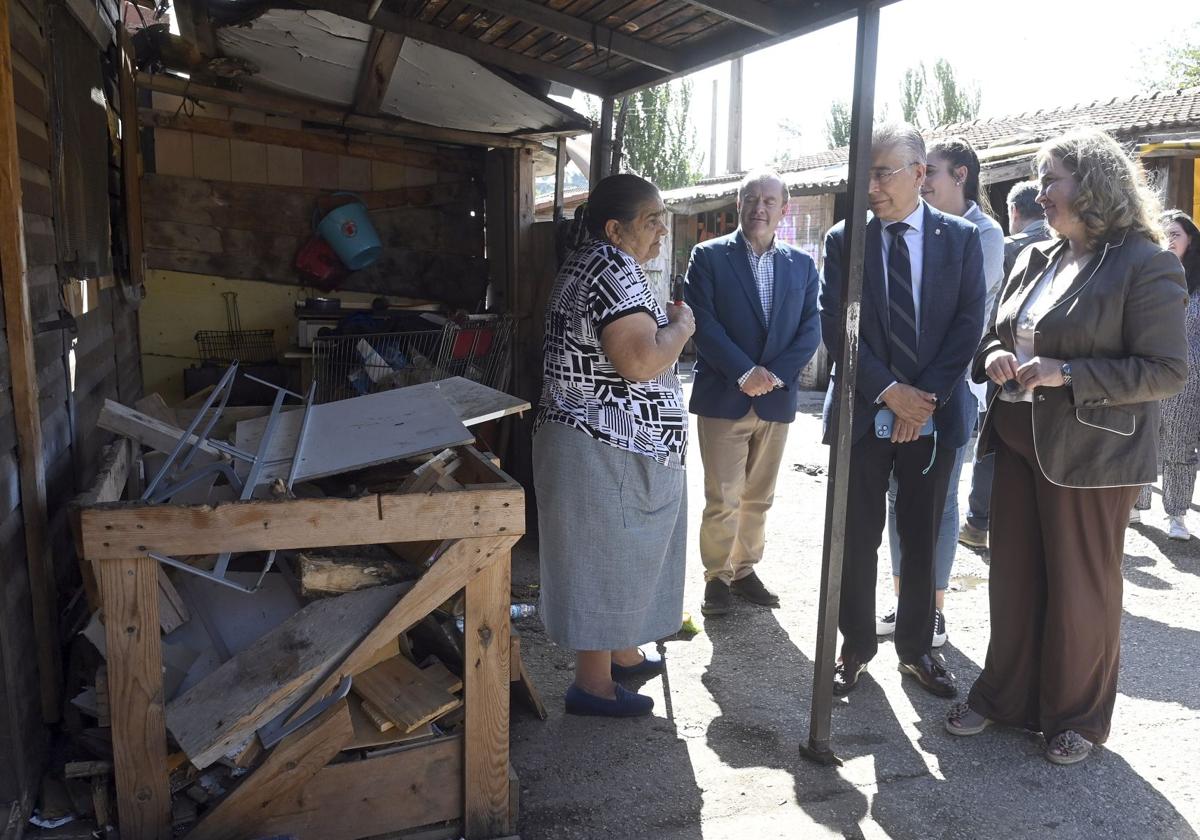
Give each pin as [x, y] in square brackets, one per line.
[1179, 435]
[952, 186]
[608, 450]
[1088, 336]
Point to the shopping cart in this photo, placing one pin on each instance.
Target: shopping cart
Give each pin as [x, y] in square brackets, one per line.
[475, 348]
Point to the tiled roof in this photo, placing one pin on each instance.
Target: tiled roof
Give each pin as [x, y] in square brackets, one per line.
[1123, 117]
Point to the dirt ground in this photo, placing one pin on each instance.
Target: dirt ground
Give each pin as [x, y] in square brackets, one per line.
[719, 759]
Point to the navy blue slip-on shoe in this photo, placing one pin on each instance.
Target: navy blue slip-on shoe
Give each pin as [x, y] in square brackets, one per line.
[626, 704]
[652, 663]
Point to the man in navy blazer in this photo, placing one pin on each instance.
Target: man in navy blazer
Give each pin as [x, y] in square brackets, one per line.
[757, 326]
[919, 325]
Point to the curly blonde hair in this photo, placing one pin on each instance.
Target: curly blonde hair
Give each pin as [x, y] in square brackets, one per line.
[1114, 197]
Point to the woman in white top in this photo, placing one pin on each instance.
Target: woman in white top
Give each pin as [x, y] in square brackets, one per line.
[952, 186]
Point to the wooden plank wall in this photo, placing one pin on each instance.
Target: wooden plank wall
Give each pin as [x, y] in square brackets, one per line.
[105, 364]
[238, 208]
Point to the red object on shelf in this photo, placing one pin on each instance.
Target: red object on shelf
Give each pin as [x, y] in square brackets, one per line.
[472, 341]
[319, 266]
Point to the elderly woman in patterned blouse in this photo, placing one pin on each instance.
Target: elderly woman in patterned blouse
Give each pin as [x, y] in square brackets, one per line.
[608, 448]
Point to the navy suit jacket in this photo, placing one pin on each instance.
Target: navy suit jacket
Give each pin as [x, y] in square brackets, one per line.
[732, 333]
[953, 292]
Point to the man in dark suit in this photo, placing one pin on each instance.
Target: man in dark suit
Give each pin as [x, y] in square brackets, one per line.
[755, 303]
[920, 322]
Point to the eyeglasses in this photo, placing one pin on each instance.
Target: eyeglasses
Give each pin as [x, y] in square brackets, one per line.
[882, 176]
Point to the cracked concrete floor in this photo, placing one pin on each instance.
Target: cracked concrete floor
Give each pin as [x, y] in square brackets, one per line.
[719, 757]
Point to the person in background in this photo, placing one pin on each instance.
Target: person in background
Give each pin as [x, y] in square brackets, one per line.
[1026, 225]
[920, 319]
[1088, 337]
[1179, 435]
[608, 448]
[952, 186]
[755, 302]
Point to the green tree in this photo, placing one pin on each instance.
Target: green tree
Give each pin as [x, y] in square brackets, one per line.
[1177, 66]
[931, 102]
[912, 93]
[837, 124]
[658, 141]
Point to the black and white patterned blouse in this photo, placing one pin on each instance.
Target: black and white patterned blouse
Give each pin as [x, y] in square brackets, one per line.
[581, 388]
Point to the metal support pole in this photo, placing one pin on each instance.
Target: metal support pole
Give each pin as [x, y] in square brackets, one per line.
[834, 546]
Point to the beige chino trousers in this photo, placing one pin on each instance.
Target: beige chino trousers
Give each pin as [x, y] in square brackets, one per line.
[741, 462]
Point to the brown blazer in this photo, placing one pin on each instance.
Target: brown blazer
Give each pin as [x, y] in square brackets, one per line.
[1121, 326]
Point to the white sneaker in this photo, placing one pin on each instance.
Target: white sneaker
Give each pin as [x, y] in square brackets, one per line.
[1177, 529]
[939, 629]
[886, 626]
[1135, 517]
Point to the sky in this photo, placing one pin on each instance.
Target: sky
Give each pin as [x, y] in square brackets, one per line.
[1023, 54]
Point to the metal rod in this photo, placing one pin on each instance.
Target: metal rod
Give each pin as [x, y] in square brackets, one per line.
[224, 581]
[834, 544]
[273, 385]
[166, 465]
[308, 405]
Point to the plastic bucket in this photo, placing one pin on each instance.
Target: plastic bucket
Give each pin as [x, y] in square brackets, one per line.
[349, 231]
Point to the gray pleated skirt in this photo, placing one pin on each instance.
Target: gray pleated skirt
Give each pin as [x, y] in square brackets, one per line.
[612, 540]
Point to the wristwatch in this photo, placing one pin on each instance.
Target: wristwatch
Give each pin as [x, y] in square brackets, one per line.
[1066, 373]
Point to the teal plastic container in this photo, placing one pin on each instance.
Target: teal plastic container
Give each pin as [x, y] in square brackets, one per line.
[349, 231]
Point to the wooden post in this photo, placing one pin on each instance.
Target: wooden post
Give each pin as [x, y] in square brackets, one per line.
[602, 144]
[131, 170]
[560, 173]
[129, 589]
[486, 686]
[17, 318]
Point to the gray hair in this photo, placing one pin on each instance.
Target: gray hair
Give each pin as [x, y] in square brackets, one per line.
[755, 176]
[900, 134]
[1023, 197]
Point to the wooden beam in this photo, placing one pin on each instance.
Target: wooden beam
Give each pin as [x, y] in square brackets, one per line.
[383, 52]
[124, 529]
[486, 691]
[131, 164]
[723, 47]
[410, 787]
[453, 570]
[195, 26]
[290, 106]
[296, 760]
[24, 387]
[303, 140]
[751, 13]
[601, 162]
[462, 44]
[129, 588]
[148, 431]
[601, 38]
[223, 710]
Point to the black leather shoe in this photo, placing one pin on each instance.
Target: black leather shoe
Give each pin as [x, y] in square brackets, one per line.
[846, 674]
[717, 600]
[752, 589]
[932, 675]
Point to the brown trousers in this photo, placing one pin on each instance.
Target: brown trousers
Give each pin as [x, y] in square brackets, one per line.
[1055, 593]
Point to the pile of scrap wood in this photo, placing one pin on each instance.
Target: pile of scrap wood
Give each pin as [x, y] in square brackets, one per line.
[281, 672]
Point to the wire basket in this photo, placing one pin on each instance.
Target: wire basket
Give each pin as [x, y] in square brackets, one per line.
[347, 366]
[227, 346]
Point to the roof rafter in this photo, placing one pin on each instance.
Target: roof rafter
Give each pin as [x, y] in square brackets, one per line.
[749, 13]
[383, 52]
[462, 44]
[602, 38]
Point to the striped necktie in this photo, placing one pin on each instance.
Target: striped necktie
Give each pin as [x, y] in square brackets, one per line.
[902, 307]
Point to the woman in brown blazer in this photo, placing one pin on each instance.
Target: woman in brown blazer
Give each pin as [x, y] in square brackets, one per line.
[1088, 337]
